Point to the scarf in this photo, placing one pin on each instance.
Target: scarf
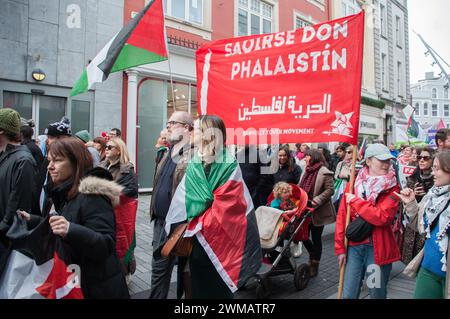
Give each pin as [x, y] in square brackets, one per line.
[58, 193]
[436, 207]
[369, 187]
[309, 179]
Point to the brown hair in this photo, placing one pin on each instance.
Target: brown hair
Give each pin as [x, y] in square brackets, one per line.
[102, 141]
[75, 151]
[316, 157]
[441, 135]
[444, 160]
[290, 161]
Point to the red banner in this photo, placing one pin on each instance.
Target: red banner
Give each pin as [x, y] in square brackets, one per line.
[297, 86]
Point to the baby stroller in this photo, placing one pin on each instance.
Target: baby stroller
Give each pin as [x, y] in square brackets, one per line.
[277, 257]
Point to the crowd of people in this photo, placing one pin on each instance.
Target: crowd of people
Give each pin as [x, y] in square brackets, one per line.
[89, 188]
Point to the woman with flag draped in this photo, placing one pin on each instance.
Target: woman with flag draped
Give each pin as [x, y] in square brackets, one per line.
[214, 199]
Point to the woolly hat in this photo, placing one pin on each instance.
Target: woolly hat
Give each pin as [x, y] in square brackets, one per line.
[59, 128]
[9, 121]
[84, 136]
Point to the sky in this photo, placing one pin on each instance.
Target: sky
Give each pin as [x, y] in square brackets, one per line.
[431, 19]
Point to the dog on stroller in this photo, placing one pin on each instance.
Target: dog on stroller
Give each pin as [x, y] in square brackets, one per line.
[277, 229]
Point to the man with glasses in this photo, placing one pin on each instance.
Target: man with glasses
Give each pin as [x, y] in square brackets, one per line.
[115, 132]
[169, 172]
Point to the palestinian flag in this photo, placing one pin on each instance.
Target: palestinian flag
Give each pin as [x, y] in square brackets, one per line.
[38, 265]
[125, 215]
[222, 217]
[362, 149]
[141, 41]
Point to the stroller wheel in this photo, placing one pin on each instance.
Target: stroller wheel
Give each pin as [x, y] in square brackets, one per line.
[301, 277]
[263, 289]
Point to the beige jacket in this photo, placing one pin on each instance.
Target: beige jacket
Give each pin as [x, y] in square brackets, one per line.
[415, 213]
[324, 213]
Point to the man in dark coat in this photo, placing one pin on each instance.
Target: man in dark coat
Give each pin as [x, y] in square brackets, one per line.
[169, 173]
[17, 173]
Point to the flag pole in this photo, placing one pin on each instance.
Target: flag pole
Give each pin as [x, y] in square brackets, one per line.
[347, 220]
[168, 60]
[171, 85]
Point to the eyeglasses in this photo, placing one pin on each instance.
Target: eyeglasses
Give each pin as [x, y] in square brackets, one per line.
[170, 123]
[425, 158]
[110, 147]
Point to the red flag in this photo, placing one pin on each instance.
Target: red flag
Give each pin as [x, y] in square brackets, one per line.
[302, 85]
[441, 124]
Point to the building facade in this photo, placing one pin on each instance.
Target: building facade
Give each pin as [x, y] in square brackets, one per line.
[430, 99]
[55, 40]
[385, 81]
[152, 92]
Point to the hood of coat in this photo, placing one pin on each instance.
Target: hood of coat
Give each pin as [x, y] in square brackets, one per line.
[92, 185]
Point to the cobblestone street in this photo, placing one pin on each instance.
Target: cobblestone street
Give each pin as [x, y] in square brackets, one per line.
[324, 286]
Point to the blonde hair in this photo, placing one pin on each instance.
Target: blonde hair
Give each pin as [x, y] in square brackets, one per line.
[122, 147]
[213, 137]
[280, 187]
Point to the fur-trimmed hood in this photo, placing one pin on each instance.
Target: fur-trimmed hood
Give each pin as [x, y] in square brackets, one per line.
[100, 186]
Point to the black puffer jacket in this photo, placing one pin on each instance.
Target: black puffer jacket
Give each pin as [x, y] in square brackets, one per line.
[92, 236]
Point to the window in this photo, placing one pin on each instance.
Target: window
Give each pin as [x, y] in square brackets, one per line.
[434, 110]
[398, 31]
[43, 109]
[417, 109]
[300, 23]
[21, 102]
[434, 93]
[254, 17]
[80, 116]
[187, 10]
[446, 110]
[350, 7]
[425, 109]
[383, 20]
[399, 79]
[384, 79]
[185, 98]
[445, 92]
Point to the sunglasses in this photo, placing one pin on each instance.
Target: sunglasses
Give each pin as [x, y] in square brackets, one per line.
[109, 147]
[425, 158]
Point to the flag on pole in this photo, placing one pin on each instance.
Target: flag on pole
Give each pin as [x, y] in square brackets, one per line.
[414, 130]
[141, 41]
[222, 217]
[441, 124]
[362, 149]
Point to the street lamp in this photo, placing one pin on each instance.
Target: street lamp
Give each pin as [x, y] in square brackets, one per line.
[38, 74]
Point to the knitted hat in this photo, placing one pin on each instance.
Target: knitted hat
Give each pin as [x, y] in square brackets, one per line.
[9, 121]
[59, 128]
[84, 136]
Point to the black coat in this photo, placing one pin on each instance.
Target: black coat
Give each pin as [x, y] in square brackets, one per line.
[283, 175]
[35, 151]
[252, 174]
[17, 180]
[92, 236]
